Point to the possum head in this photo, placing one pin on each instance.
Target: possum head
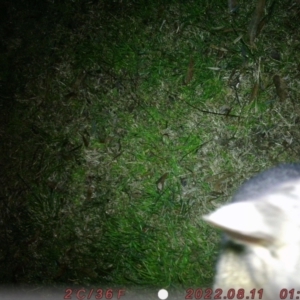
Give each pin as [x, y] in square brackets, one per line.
[261, 242]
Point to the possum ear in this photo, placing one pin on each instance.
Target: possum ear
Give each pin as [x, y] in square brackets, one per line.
[259, 220]
[245, 221]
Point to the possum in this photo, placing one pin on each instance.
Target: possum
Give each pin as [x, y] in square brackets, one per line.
[260, 247]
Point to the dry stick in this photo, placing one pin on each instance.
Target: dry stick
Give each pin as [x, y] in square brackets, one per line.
[256, 19]
[214, 113]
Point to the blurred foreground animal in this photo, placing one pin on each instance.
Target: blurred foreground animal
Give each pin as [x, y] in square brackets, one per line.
[261, 242]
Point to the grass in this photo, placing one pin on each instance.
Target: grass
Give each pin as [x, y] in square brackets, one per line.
[125, 126]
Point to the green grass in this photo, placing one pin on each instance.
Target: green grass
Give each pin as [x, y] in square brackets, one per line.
[125, 131]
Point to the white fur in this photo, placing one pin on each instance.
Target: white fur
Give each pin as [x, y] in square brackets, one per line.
[268, 228]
